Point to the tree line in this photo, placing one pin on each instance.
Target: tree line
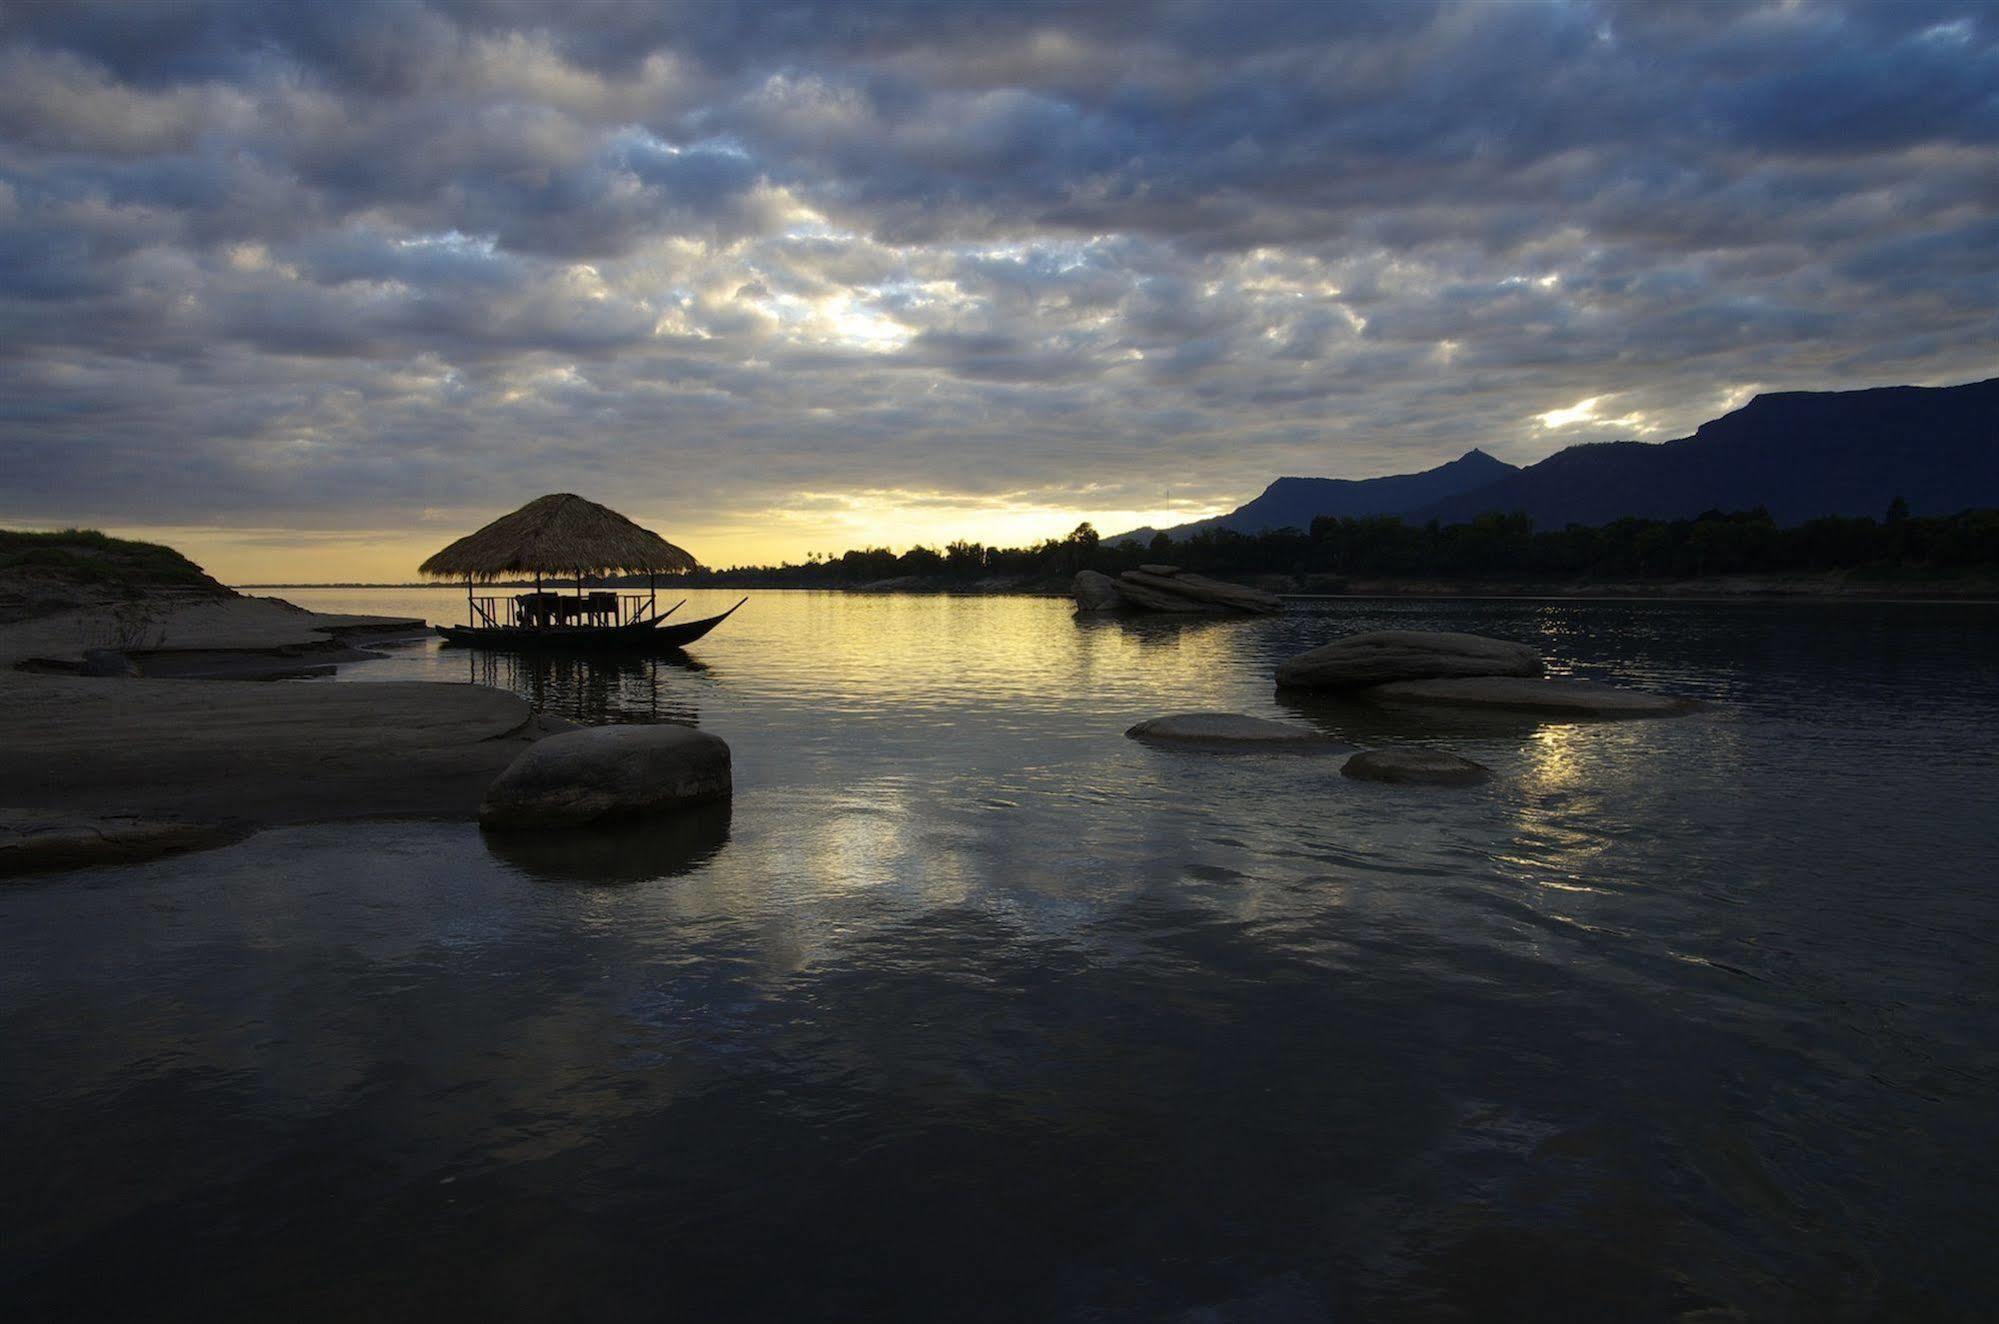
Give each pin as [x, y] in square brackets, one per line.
[1494, 546]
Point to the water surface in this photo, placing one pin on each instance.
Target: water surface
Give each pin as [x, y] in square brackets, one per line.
[969, 1008]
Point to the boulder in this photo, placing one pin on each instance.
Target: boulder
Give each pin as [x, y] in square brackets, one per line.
[1096, 592]
[1139, 594]
[605, 772]
[1412, 764]
[1232, 731]
[1570, 698]
[38, 840]
[1381, 656]
[1180, 591]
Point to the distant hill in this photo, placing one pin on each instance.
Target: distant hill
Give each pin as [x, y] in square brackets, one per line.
[1800, 454]
[1294, 502]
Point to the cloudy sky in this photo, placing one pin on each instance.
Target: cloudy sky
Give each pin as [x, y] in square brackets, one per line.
[311, 289]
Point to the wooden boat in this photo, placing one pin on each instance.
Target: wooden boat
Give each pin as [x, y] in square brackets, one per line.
[648, 633]
[563, 536]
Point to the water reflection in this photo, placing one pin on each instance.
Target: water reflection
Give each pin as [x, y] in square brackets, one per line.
[645, 851]
[593, 689]
[1364, 722]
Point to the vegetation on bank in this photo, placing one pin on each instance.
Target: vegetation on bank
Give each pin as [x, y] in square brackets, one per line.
[92, 559]
[1491, 547]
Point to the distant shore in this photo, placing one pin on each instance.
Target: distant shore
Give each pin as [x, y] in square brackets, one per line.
[1820, 585]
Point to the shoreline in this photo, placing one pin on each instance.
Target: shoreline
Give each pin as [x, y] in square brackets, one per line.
[110, 767]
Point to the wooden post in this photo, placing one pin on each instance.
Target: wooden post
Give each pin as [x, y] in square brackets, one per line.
[471, 613]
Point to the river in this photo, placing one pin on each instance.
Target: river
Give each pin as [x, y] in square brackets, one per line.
[968, 1008]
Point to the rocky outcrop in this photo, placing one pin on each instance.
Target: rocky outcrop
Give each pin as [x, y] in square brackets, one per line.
[1381, 656]
[1095, 591]
[39, 840]
[1232, 731]
[1573, 698]
[1171, 589]
[1414, 765]
[608, 772]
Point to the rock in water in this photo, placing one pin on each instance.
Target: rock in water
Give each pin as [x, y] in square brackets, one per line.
[1140, 594]
[1571, 698]
[1096, 592]
[34, 840]
[607, 772]
[1180, 591]
[1381, 656]
[1416, 765]
[1232, 731]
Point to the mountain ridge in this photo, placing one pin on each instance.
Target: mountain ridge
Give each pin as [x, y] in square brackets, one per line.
[1293, 502]
[1798, 454]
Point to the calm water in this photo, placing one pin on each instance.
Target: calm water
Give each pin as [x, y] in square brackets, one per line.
[971, 1009]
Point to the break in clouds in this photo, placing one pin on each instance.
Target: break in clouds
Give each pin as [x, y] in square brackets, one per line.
[333, 265]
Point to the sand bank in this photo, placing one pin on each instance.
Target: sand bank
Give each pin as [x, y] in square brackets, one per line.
[245, 753]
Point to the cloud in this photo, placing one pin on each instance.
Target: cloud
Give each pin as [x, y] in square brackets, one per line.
[262, 260]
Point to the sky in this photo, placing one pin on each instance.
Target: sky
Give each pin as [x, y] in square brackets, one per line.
[310, 290]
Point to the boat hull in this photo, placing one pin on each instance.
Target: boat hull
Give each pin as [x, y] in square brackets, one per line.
[636, 636]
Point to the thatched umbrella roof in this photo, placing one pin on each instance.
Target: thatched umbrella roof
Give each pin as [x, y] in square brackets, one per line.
[559, 534]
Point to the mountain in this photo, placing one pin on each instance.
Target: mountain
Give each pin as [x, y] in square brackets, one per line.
[1293, 502]
[1800, 454]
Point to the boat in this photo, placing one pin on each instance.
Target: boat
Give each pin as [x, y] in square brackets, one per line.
[650, 634]
[566, 538]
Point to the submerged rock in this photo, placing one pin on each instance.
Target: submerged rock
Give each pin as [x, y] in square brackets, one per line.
[1095, 592]
[1232, 731]
[608, 772]
[1415, 765]
[1380, 656]
[1575, 698]
[37, 840]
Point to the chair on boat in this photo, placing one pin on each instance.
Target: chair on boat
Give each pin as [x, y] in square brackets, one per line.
[603, 608]
[536, 610]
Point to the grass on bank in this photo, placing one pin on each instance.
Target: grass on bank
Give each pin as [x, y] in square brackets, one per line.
[88, 557]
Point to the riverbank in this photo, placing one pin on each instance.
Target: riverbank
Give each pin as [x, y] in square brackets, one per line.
[230, 754]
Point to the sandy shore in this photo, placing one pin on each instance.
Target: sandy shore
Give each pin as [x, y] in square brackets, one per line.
[236, 752]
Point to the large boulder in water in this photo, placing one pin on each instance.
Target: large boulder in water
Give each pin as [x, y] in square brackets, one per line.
[1096, 591]
[1380, 656]
[1169, 588]
[1556, 698]
[606, 772]
[1414, 765]
[1232, 731]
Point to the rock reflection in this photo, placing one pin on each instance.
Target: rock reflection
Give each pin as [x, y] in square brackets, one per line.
[593, 689]
[643, 851]
[1368, 723]
[1151, 628]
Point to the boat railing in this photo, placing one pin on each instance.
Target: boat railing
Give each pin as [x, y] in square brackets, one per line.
[546, 610]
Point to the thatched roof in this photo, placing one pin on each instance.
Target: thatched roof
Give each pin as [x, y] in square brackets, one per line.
[559, 534]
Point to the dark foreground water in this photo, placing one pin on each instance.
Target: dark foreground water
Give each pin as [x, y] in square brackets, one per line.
[971, 1009]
